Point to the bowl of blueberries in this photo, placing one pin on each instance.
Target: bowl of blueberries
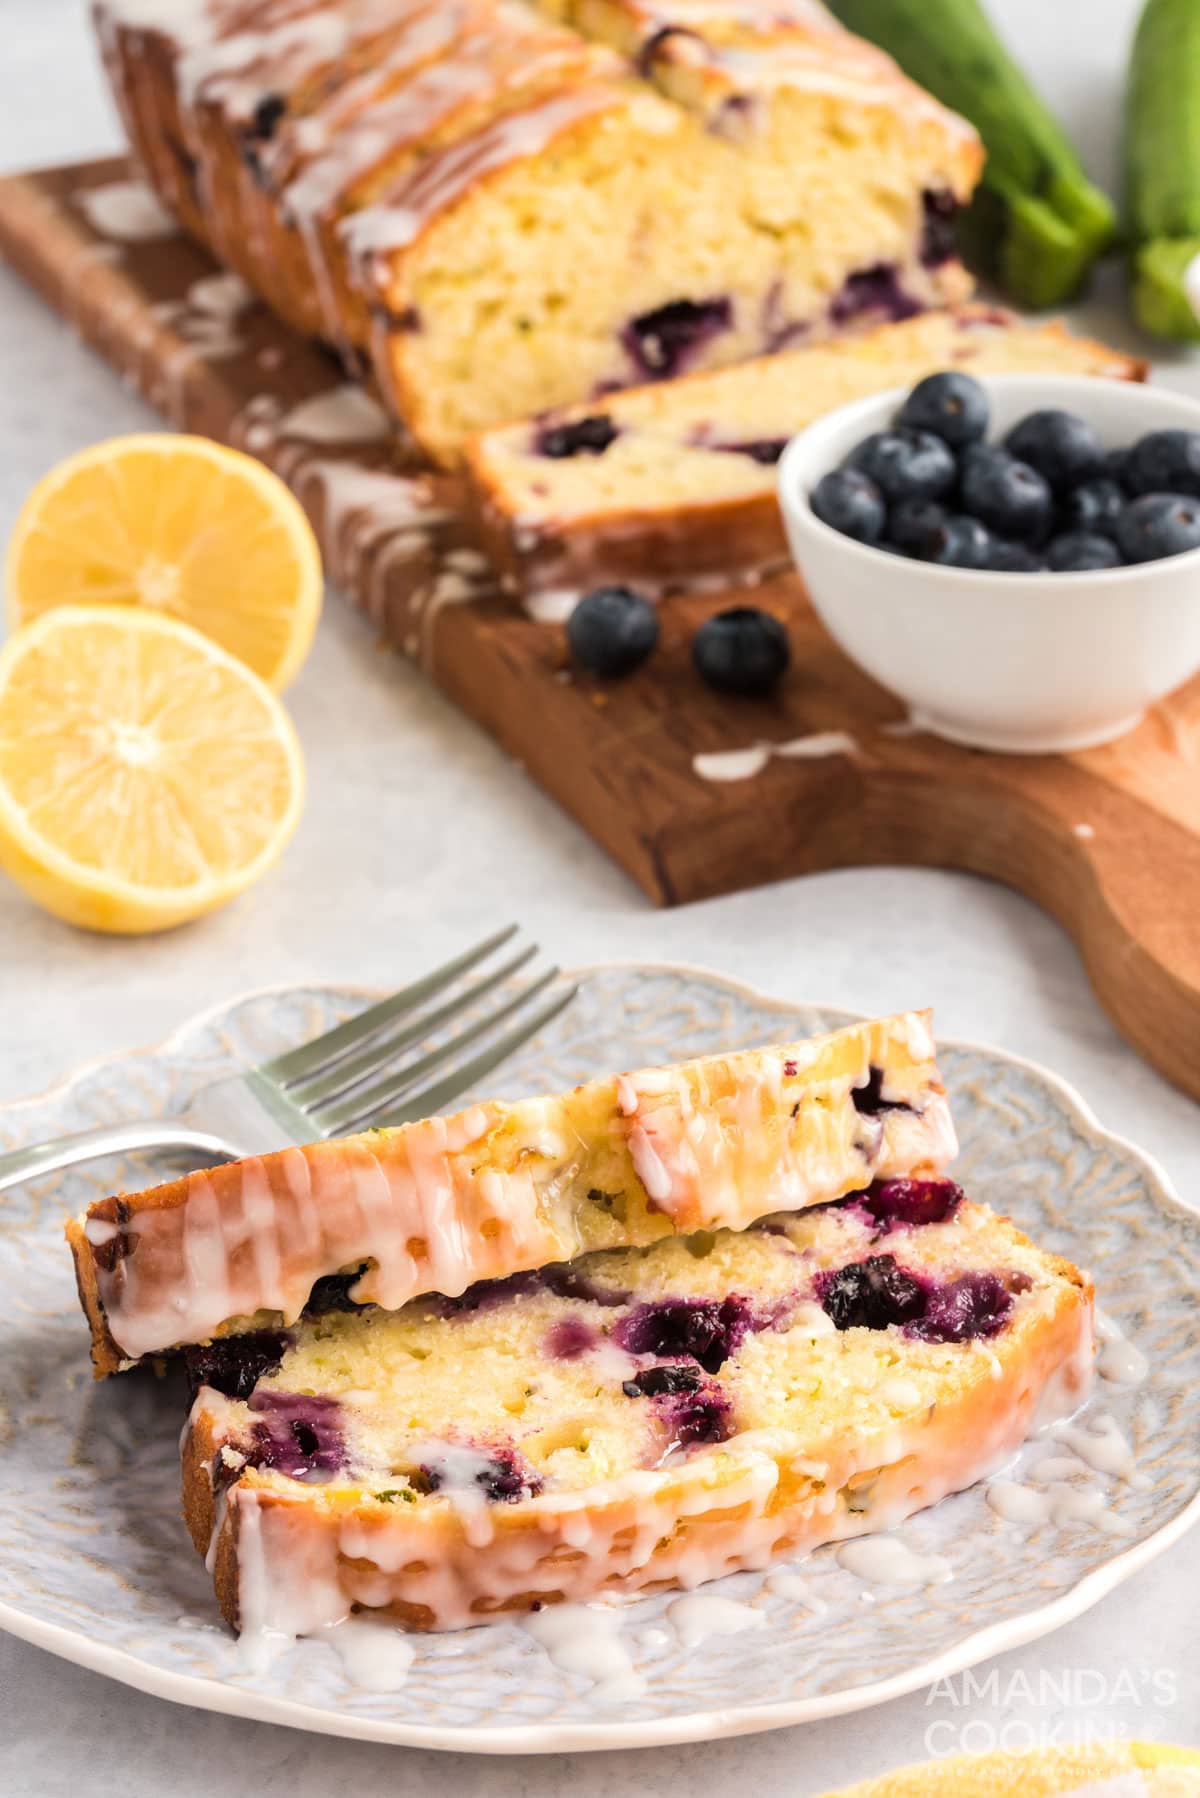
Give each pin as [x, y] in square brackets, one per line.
[1017, 557]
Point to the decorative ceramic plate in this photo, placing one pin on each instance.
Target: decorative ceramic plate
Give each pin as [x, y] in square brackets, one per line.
[95, 1564]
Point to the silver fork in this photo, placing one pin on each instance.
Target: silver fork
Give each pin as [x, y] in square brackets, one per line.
[392, 1063]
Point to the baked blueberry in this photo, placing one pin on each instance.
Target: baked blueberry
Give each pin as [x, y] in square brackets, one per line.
[612, 630]
[1158, 525]
[973, 1305]
[652, 1382]
[877, 289]
[663, 342]
[235, 1364]
[589, 436]
[1006, 494]
[1064, 448]
[1074, 552]
[906, 464]
[953, 406]
[707, 1330]
[938, 237]
[911, 1204]
[742, 650]
[1094, 505]
[1164, 462]
[847, 500]
[870, 1294]
[1012, 558]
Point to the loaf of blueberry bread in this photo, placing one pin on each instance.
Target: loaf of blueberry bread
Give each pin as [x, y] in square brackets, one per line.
[665, 484]
[504, 1187]
[509, 209]
[641, 1417]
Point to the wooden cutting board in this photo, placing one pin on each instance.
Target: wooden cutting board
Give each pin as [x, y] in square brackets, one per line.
[693, 793]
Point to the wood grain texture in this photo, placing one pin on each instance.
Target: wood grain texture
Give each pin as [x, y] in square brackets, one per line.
[1107, 840]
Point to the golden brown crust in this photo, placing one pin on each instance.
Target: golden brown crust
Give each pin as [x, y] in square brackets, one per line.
[106, 1356]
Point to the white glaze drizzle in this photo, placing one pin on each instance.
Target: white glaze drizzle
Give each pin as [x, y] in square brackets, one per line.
[698, 1615]
[743, 764]
[1119, 1360]
[346, 414]
[127, 212]
[887, 1561]
[376, 1657]
[586, 1639]
[1100, 1443]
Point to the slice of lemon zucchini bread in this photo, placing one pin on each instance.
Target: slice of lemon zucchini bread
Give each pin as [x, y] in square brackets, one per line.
[638, 1418]
[501, 1188]
[511, 209]
[662, 485]
[1090, 1769]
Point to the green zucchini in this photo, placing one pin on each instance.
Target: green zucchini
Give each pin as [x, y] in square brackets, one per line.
[1036, 223]
[1162, 165]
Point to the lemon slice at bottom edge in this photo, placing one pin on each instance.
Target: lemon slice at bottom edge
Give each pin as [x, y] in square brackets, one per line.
[146, 776]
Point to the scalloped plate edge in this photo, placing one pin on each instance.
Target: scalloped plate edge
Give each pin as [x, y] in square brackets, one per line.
[998, 1638]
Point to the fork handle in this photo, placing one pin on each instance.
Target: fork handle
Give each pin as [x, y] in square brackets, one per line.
[112, 1139]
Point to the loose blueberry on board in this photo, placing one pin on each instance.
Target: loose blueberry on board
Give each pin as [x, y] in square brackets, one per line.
[1092, 506]
[847, 500]
[612, 631]
[953, 406]
[1159, 525]
[1064, 448]
[906, 464]
[1005, 494]
[1012, 558]
[742, 651]
[870, 1295]
[589, 436]
[1077, 552]
[1164, 462]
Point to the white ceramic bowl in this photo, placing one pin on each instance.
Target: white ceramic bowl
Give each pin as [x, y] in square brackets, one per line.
[1027, 663]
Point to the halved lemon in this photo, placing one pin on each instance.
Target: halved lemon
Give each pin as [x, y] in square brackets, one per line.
[181, 526]
[146, 776]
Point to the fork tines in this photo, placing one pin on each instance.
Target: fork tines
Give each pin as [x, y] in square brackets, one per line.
[419, 1049]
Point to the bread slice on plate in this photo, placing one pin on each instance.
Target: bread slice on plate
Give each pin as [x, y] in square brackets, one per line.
[661, 486]
[641, 1418]
[500, 1188]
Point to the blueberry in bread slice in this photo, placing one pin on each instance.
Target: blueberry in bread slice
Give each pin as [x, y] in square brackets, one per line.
[500, 1188]
[640, 1417]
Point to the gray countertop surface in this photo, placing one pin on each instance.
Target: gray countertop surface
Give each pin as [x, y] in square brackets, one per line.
[418, 836]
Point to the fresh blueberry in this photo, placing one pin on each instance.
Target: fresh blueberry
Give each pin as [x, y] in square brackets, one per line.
[1005, 494]
[870, 1294]
[1158, 525]
[973, 1305]
[1012, 558]
[589, 436]
[1164, 462]
[849, 501]
[913, 524]
[1074, 552]
[1064, 448]
[906, 464]
[953, 406]
[1092, 506]
[742, 650]
[612, 630]
[961, 542]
